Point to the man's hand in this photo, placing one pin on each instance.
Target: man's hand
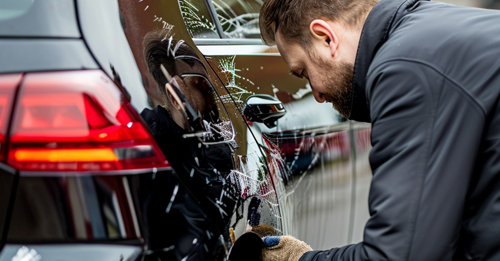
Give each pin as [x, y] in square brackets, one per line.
[284, 248]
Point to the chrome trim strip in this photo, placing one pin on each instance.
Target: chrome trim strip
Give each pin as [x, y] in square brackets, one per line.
[356, 125]
[227, 41]
[229, 50]
[311, 132]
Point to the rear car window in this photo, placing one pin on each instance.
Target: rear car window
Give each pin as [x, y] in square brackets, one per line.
[35, 18]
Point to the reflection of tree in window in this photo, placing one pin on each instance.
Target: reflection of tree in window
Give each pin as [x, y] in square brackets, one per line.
[239, 19]
[197, 19]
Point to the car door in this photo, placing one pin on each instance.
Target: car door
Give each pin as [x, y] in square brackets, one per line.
[251, 196]
[324, 193]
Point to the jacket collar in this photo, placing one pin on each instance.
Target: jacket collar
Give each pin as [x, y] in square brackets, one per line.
[378, 24]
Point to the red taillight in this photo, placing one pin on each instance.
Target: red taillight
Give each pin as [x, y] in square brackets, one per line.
[78, 121]
[8, 85]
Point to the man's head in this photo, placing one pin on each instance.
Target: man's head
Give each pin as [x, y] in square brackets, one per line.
[318, 39]
[181, 62]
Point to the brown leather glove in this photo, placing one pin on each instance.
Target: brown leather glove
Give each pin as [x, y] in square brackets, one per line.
[284, 248]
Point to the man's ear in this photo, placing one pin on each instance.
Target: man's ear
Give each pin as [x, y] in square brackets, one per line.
[173, 97]
[324, 34]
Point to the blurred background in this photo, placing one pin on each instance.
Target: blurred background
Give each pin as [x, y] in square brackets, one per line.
[492, 4]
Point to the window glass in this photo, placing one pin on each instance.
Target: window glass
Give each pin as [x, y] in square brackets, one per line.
[11, 9]
[53, 18]
[239, 18]
[198, 19]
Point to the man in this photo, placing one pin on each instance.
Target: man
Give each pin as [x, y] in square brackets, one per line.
[427, 76]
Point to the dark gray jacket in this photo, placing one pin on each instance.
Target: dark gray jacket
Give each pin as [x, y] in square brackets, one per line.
[427, 76]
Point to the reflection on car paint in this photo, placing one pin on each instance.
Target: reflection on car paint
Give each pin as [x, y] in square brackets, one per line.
[166, 25]
[318, 160]
[99, 208]
[197, 21]
[137, 208]
[239, 19]
[260, 172]
[203, 164]
[320, 165]
[26, 254]
[72, 251]
[209, 180]
[280, 172]
[238, 94]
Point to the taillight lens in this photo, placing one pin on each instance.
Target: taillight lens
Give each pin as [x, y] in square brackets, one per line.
[78, 121]
[8, 85]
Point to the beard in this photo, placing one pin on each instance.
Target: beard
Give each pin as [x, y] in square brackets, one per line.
[338, 84]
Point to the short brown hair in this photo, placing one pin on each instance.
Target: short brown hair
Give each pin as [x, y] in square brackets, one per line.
[158, 47]
[293, 17]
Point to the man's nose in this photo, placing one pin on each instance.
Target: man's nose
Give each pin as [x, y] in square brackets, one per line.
[318, 96]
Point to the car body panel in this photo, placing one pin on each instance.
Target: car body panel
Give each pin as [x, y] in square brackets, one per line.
[251, 172]
[70, 252]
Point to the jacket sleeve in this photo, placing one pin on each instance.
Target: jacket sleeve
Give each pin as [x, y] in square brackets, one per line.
[426, 133]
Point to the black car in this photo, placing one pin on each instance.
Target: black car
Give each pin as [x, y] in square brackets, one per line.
[95, 166]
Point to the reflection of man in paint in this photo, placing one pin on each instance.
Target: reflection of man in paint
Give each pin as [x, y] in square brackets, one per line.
[201, 211]
[188, 76]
